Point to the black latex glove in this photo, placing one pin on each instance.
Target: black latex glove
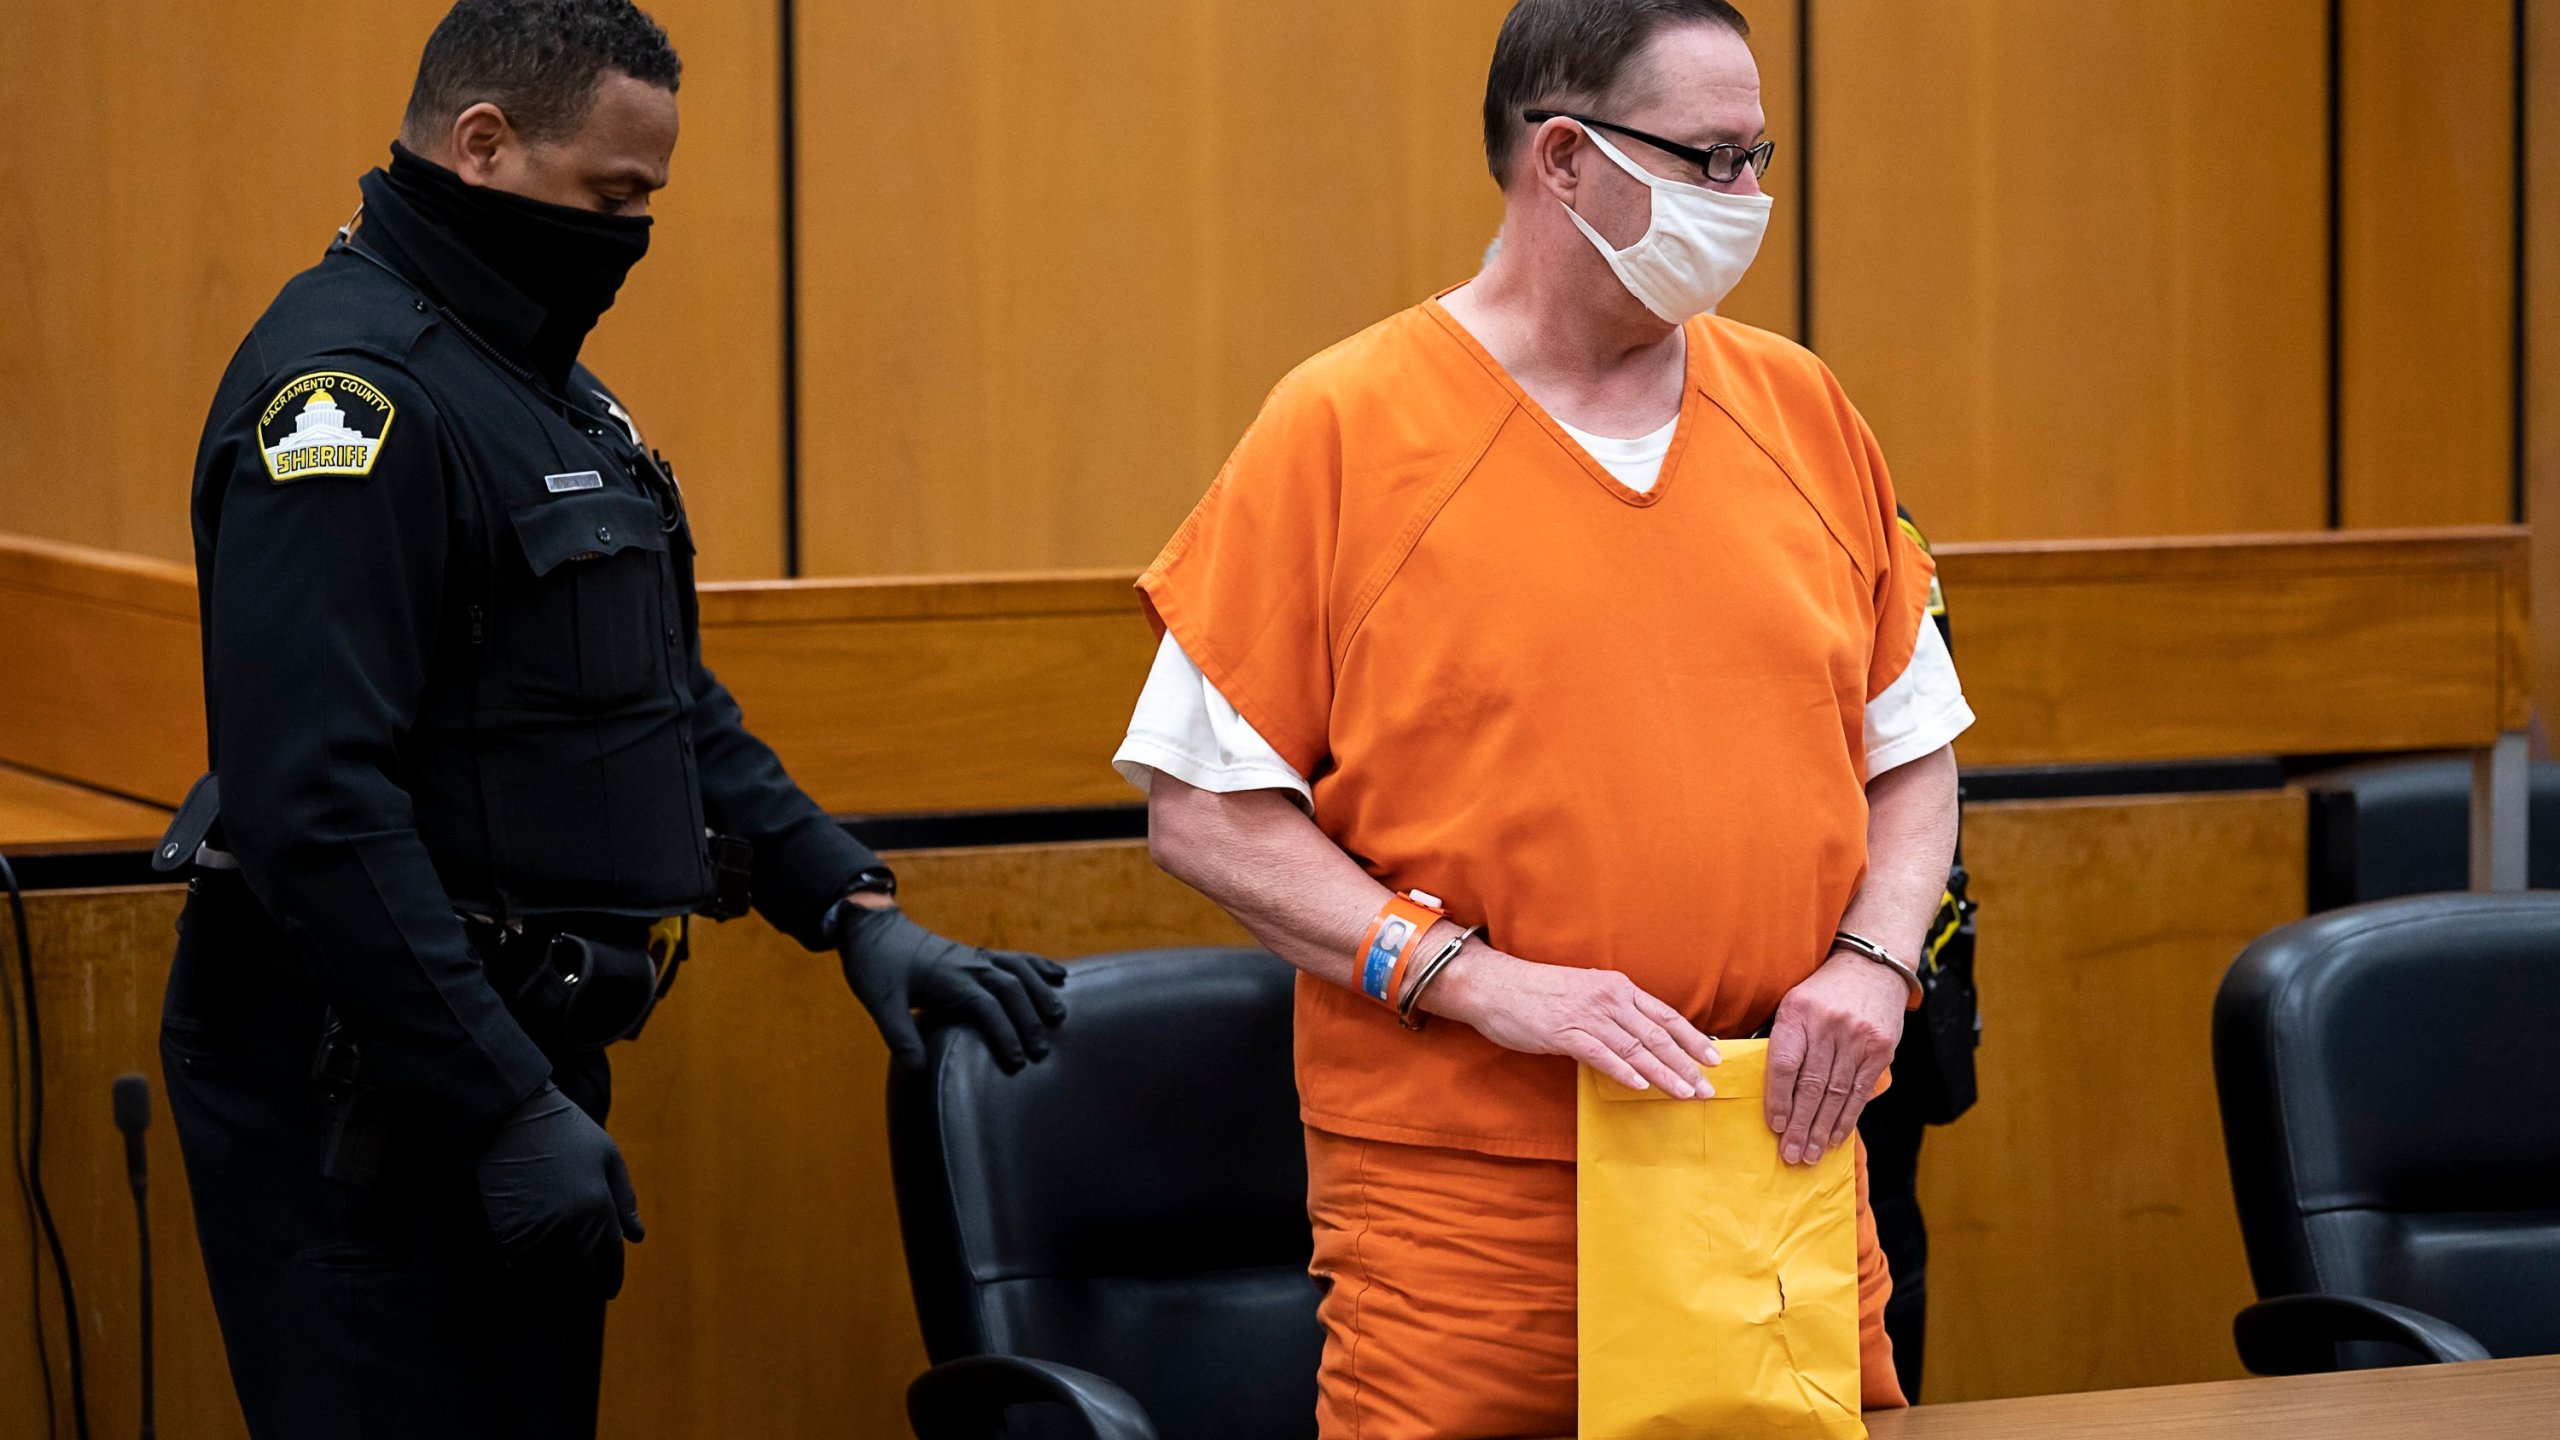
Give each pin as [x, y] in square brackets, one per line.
[557, 1194]
[896, 966]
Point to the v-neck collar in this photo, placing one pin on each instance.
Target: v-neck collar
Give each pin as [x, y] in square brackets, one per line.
[1691, 389]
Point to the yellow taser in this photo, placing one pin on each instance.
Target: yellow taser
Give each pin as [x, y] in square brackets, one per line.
[1718, 1285]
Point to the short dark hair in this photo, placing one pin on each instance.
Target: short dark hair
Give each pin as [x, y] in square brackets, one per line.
[1567, 54]
[536, 60]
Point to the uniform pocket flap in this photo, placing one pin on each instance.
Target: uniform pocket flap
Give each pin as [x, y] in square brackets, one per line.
[1744, 1075]
[556, 529]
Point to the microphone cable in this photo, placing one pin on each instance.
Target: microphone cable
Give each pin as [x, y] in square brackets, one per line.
[26, 1151]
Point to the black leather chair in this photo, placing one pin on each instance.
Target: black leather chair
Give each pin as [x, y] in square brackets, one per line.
[2403, 827]
[2390, 1084]
[1113, 1244]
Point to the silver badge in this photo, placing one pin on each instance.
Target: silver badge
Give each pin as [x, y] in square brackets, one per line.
[574, 480]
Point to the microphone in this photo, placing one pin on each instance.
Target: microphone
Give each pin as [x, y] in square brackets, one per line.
[133, 1116]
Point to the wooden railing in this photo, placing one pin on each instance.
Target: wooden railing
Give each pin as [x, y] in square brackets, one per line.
[103, 669]
[2334, 643]
[888, 696]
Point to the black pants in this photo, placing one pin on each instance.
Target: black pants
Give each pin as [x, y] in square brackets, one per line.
[1892, 1128]
[380, 1311]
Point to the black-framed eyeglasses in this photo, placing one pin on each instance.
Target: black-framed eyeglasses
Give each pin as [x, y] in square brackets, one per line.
[1721, 164]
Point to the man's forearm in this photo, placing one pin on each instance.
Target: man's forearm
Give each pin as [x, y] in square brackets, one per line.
[1264, 862]
[1911, 840]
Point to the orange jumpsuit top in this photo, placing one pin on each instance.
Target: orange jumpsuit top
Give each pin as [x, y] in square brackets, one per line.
[1616, 729]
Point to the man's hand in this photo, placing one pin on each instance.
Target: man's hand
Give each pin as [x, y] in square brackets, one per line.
[557, 1195]
[1834, 1036]
[896, 967]
[1598, 1017]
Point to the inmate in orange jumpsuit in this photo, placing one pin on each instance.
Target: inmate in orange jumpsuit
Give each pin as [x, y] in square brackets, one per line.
[1614, 728]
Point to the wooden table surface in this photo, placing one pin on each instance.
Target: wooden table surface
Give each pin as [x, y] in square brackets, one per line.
[2491, 1400]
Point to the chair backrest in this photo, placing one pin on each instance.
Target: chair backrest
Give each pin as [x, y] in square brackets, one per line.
[1134, 1205]
[2390, 1083]
[2389, 828]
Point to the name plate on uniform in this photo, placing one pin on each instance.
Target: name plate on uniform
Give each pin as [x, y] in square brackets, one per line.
[574, 480]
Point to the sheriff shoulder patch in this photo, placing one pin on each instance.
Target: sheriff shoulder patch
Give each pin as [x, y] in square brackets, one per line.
[325, 423]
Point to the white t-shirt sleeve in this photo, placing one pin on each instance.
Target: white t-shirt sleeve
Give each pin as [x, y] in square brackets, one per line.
[1921, 710]
[1184, 728]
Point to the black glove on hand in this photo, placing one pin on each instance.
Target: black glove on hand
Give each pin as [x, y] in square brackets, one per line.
[895, 966]
[557, 1195]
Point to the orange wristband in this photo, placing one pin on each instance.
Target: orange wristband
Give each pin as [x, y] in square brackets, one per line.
[1387, 946]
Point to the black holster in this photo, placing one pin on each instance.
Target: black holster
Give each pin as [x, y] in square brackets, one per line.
[358, 1121]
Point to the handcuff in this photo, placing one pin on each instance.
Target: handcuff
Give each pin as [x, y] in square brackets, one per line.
[1865, 948]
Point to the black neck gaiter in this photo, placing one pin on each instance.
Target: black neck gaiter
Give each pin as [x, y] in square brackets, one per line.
[570, 262]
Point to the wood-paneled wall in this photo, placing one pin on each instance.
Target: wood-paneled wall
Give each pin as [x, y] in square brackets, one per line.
[693, 345]
[168, 167]
[2068, 259]
[171, 165]
[2427, 376]
[2073, 259]
[1770, 295]
[1103, 235]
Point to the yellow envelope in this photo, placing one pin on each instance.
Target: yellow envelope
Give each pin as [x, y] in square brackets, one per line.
[1719, 1285]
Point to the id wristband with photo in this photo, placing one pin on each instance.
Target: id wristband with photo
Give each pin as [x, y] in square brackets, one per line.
[1388, 945]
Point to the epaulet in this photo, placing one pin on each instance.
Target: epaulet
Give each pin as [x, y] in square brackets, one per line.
[346, 304]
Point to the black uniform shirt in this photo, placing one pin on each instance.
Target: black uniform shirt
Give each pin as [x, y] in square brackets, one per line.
[452, 660]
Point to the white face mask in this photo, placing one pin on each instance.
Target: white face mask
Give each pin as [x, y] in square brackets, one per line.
[1693, 253]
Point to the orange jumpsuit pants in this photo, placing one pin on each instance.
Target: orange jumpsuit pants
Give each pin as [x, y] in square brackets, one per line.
[1448, 1303]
